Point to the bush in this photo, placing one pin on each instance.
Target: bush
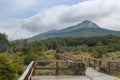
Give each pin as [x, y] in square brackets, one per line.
[3, 43]
[7, 70]
[79, 67]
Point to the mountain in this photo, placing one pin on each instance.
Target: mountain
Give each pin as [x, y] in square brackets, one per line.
[84, 24]
[85, 29]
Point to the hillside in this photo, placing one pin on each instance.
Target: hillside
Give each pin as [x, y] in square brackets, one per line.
[84, 29]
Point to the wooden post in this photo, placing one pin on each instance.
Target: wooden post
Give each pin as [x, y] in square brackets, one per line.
[82, 57]
[57, 70]
[85, 59]
[100, 63]
[109, 66]
[94, 64]
[84, 71]
[89, 62]
[33, 68]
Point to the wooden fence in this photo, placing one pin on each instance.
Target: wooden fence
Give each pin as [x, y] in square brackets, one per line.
[58, 67]
[29, 72]
[109, 67]
[112, 68]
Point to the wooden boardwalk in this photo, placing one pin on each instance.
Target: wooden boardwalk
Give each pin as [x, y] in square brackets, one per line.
[60, 78]
[91, 74]
[94, 75]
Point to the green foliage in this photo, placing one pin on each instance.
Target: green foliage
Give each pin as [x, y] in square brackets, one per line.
[7, 69]
[30, 57]
[18, 45]
[78, 66]
[19, 53]
[3, 43]
[17, 61]
[32, 52]
[109, 43]
[112, 56]
[100, 51]
[45, 72]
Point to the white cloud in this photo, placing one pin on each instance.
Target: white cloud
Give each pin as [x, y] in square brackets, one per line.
[104, 12]
[13, 29]
[45, 20]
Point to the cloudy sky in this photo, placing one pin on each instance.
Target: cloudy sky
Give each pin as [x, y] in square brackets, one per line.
[25, 18]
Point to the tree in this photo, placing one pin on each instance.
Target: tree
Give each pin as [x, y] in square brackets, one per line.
[7, 70]
[3, 42]
[17, 61]
[100, 51]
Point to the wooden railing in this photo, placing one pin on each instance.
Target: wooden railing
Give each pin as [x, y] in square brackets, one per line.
[113, 68]
[109, 67]
[57, 66]
[62, 57]
[92, 62]
[27, 75]
[30, 70]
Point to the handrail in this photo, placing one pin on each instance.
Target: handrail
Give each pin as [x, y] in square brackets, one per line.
[27, 71]
[57, 66]
[93, 62]
[52, 61]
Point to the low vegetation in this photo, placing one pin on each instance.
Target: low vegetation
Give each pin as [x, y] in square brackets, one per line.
[16, 55]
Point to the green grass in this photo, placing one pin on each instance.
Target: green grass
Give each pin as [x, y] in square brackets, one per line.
[116, 75]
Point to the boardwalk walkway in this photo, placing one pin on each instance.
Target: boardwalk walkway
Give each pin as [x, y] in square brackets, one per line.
[90, 75]
[60, 78]
[94, 75]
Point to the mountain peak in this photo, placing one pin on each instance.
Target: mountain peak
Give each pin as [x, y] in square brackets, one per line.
[84, 29]
[88, 24]
[87, 21]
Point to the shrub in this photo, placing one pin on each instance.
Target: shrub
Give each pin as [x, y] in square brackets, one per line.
[7, 70]
[78, 67]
